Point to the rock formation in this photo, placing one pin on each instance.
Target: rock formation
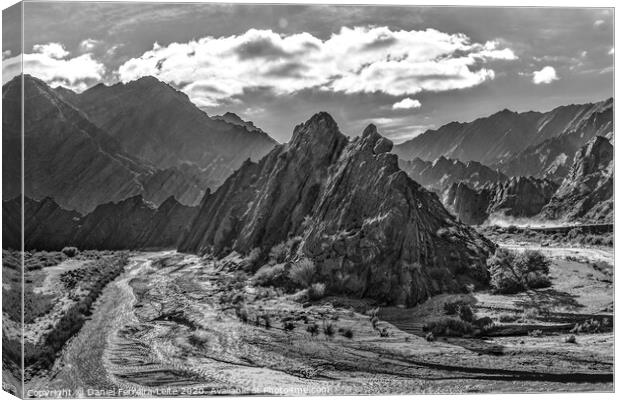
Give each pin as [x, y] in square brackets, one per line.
[371, 230]
[587, 191]
[129, 224]
[519, 197]
[439, 175]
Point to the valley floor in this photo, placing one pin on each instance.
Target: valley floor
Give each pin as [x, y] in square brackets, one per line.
[171, 325]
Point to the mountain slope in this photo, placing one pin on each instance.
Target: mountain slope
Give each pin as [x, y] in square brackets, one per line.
[439, 175]
[371, 230]
[128, 224]
[503, 135]
[154, 122]
[587, 191]
[76, 163]
[518, 197]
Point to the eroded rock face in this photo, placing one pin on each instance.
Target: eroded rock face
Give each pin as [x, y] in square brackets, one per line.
[587, 191]
[371, 230]
[129, 224]
[519, 197]
[441, 174]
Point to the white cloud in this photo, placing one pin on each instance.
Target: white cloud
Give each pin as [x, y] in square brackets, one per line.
[406, 103]
[545, 75]
[88, 45]
[599, 22]
[353, 60]
[611, 51]
[51, 63]
[6, 54]
[51, 50]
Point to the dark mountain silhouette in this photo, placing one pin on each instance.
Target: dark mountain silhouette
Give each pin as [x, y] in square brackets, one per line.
[128, 224]
[156, 123]
[371, 229]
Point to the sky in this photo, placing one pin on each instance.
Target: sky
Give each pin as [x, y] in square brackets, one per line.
[405, 68]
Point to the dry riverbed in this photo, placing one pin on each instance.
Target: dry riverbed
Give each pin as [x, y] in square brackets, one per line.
[176, 324]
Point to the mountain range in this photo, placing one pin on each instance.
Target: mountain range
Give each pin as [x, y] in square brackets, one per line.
[113, 142]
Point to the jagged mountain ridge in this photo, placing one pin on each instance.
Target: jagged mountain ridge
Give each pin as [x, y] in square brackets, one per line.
[507, 135]
[440, 174]
[371, 229]
[75, 162]
[587, 191]
[518, 197]
[159, 124]
[129, 224]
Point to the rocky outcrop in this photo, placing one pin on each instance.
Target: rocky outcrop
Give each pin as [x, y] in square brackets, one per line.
[520, 197]
[439, 175]
[371, 230]
[156, 123]
[587, 191]
[129, 224]
[511, 140]
[234, 119]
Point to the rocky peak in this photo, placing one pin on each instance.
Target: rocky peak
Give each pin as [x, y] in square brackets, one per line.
[371, 230]
[594, 156]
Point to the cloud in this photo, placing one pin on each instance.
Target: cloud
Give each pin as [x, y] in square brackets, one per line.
[352, 60]
[89, 45]
[6, 54]
[545, 75]
[611, 51]
[51, 63]
[599, 22]
[406, 103]
[51, 50]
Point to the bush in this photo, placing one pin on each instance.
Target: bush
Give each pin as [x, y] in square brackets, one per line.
[70, 251]
[570, 339]
[302, 272]
[535, 333]
[289, 326]
[430, 337]
[348, 333]
[514, 272]
[316, 291]
[328, 329]
[450, 327]
[508, 318]
[271, 275]
[278, 253]
[384, 332]
[313, 329]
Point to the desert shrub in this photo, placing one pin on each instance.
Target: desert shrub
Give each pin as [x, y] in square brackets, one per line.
[535, 333]
[313, 329]
[278, 253]
[348, 333]
[70, 251]
[589, 326]
[530, 314]
[199, 338]
[508, 318]
[384, 332]
[570, 339]
[374, 321]
[242, 314]
[302, 272]
[328, 329]
[271, 275]
[316, 291]
[514, 272]
[449, 326]
[289, 326]
[430, 337]
[460, 308]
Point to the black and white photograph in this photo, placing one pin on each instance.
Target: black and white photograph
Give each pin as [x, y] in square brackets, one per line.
[209, 198]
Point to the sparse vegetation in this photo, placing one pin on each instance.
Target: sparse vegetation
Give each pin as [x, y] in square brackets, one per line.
[316, 291]
[302, 272]
[570, 339]
[449, 326]
[70, 251]
[348, 333]
[278, 253]
[328, 329]
[513, 272]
